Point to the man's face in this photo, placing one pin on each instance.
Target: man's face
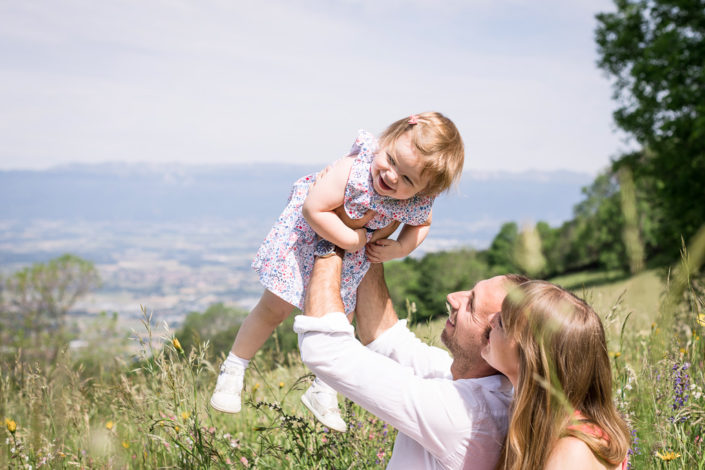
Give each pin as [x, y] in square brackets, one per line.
[467, 328]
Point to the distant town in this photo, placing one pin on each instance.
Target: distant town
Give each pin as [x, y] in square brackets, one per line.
[178, 240]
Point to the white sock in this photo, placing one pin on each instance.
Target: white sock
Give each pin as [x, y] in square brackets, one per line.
[233, 360]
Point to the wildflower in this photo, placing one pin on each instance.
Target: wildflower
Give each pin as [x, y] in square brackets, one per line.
[615, 354]
[244, 461]
[109, 425]
[701, 319]
[256, 387]
[667, 456]
[11, 425]
[681, 385]
[126, 444]
[324, 440]
[176, 428]
[281, 384]
[177, 344]
[185, 415]
[380, 455]
[682, 350]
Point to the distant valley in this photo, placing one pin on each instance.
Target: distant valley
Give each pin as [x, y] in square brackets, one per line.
[178, 238]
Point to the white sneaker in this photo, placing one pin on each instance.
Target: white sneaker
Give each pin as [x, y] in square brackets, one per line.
[226, 397]
[323, 403]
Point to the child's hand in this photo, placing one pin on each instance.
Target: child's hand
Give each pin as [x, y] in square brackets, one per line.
[384, 250]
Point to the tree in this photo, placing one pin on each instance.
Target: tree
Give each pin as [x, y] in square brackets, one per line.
[37, 298]
[500, 254]
[655, 50]
[444, 272]
[218, 325]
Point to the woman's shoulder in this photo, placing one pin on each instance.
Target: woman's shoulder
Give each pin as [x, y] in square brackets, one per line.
[571, 451]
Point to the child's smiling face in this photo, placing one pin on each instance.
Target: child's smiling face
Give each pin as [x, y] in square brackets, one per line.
[397, 170]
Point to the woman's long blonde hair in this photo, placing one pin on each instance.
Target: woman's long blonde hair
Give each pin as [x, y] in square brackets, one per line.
[563, 367]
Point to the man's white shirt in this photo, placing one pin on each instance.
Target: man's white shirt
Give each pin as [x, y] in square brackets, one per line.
[442, 423]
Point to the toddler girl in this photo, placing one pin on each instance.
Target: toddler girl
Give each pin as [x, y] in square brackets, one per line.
[398, 177]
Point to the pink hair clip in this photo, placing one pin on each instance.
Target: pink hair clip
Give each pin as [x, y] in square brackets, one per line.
[413, 119]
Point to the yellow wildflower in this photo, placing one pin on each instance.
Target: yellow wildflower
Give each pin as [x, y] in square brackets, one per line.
[177, 344]
[126, 444]
[176, 428]
[667, 456]
[11, 425]
[701, 319]
[256, 387]
[109, 425]
[281, 384]
[185, 415]
[616, 354]
[682, 350]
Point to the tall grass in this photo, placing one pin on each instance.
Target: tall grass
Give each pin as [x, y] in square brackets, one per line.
[151, 410]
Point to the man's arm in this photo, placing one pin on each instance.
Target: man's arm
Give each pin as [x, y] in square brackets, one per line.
[374, 312]
[379, 328]
[323, 293]
[432, 412]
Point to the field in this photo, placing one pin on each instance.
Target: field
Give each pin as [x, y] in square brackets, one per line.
[151, 411]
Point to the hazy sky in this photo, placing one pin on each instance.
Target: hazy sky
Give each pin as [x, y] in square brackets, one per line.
[292, 80]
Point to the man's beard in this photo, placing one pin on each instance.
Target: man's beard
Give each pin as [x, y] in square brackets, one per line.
[450, 343]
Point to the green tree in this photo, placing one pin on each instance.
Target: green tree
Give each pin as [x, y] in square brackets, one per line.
[444, 272]
[550, 242]
[596, 231]
[39, 296]
[655, 50]
[36, 300]
[402, 279]
[500, 255]
[218, 325]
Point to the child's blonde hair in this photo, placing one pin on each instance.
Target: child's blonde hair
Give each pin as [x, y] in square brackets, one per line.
[439, 144]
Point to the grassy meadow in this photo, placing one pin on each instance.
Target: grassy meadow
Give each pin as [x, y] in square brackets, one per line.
[151, 410]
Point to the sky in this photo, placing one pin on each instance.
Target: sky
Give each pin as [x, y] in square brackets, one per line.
[217, 82]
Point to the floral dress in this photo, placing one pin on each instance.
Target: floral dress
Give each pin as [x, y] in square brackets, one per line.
[284, 261]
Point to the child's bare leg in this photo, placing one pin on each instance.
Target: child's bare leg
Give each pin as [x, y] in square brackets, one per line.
[269, 312]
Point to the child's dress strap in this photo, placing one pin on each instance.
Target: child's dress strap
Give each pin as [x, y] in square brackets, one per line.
[361, 197]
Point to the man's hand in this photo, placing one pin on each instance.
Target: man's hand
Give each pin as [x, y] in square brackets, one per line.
[384, 250]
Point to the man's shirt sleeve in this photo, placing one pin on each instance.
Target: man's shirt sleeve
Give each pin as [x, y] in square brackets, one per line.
[401, 345]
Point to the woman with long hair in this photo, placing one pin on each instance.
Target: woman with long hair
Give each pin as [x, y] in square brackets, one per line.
[551, 345]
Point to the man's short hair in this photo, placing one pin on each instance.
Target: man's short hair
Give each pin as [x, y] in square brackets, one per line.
[517, 279]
